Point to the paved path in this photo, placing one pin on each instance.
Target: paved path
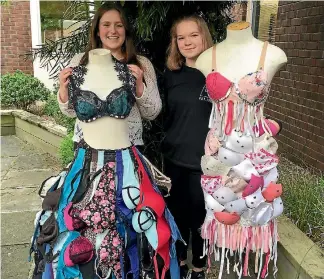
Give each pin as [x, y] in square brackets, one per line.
[23, 168]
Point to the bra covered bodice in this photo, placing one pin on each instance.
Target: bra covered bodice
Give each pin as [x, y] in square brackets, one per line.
[252, 88]
[89, 107]
[237, 105]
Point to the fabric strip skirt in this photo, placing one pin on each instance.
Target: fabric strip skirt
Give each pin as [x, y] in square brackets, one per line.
[85, 229]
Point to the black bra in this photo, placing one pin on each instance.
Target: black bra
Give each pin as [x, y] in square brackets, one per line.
[89, 107]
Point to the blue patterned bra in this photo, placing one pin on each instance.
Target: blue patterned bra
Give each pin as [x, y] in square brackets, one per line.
[89, 107]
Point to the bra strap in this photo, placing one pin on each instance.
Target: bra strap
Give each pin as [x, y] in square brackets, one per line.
[214, 59]
[263, 55]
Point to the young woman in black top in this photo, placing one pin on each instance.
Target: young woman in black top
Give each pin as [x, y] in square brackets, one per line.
[186, 127]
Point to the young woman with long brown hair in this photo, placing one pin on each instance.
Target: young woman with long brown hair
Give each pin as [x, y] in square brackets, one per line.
[110, 30]
[97, 211]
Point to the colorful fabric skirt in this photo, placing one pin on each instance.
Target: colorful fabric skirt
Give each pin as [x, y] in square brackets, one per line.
[95, 215]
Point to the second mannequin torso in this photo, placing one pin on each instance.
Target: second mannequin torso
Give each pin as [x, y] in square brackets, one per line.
[239, 54]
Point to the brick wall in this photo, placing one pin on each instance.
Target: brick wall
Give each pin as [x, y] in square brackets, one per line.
[297, 97]
[15, 36]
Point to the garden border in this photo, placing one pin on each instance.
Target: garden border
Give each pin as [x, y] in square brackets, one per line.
[34, 129]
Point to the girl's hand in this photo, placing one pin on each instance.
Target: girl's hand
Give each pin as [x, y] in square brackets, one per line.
[63, 77]
[138, 73]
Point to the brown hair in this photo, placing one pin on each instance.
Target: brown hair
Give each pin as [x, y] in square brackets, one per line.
[128, 47]
[174, 58]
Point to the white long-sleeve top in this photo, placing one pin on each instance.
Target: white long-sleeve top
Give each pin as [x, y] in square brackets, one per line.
[148, 106]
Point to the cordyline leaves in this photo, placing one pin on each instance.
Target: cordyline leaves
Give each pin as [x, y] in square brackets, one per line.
[150, 20]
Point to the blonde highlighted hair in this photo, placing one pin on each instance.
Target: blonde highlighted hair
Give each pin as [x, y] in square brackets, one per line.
[175, 60]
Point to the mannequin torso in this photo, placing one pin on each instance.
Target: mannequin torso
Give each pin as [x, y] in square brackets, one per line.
[239, 54]
[101, 78]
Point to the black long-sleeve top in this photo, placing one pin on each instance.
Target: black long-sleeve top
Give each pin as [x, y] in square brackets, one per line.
[186, 117]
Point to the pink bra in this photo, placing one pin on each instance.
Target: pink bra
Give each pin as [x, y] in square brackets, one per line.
[252, 88]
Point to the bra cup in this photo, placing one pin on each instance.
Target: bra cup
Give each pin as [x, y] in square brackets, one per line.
[158, 234]
[85, 110]
[236, 184]
[267, 143]
[255, 183]
[119, 106]
[238, 142]
[142, 220]
[152, 201]
[213, 167]
[252, 201]
[278, 207]
[51, 200]
[79, 251]
[131, 196]
[224, 195]
[272, 192]
[227, 218]
[49, 231]
[212, 204]
[261, 214]
[245, 170]
[246, 217]
[263, 160]
[211, 183]
[252, 85]
[229, 157]
[217, 86]
[238, 206]
[271, 176]
[51, 184]
[212, 143]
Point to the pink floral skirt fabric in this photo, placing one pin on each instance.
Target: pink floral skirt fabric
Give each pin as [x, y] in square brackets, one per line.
[99, 214]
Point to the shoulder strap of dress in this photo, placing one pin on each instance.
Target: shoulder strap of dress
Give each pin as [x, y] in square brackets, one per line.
[263, 55]
[214, 59]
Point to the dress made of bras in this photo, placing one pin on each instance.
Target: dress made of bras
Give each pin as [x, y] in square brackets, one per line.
[239, 181]
[89, 107]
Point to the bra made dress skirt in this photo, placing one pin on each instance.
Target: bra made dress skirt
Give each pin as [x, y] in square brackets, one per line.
[242, 195]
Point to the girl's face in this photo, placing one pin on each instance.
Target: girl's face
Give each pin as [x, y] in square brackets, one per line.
[189, 39]
[112, 32]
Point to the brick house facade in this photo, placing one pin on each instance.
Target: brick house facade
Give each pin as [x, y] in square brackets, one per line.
[15, 37]
[297, 97]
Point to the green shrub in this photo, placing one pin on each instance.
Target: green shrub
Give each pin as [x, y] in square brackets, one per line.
[66, 152]
[20, 90]
[52, 109]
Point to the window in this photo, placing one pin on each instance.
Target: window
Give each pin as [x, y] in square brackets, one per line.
[59, 18]
[264, 19]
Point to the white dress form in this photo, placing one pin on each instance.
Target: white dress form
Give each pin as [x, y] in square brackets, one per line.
[101, 78]
[231, 164]
[239, 54]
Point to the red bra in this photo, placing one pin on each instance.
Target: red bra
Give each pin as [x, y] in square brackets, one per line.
[252, 88]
